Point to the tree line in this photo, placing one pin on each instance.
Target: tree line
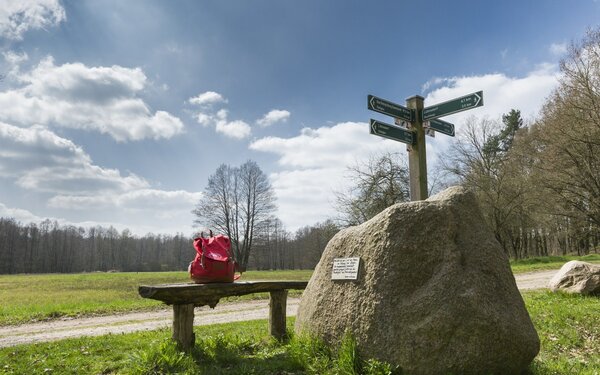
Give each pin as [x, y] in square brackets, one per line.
[539, 185]
[49, 247]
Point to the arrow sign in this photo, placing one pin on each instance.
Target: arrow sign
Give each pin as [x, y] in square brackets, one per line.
[388, 108]
[391, 132]
[453, 106]
[442, 127]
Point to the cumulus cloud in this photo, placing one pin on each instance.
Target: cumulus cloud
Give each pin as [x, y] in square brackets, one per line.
[14, 59]
[274, 116]
[313, 166]
[233, 129]
[17, 17]
[76, 96]
[39, 160]
[207, 98]
[207, 116]
[501, 93]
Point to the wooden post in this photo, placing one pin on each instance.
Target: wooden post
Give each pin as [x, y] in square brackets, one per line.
[417, 158]
[183, 326]
[277, 314]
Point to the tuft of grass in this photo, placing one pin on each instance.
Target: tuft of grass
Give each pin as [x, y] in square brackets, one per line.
[27, 298]
[348, 360]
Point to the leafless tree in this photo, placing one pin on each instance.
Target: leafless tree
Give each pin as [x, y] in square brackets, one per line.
[236, 202]
[375, 185]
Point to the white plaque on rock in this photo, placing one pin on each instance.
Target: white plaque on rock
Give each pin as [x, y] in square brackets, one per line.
[345, 268]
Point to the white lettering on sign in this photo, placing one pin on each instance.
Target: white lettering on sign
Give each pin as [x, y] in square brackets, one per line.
[345, 268]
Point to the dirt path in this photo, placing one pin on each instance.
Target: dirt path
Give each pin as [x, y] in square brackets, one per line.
[223, 313]
[534, 280]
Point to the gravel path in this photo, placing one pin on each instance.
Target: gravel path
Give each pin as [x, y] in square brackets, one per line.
[140, 321]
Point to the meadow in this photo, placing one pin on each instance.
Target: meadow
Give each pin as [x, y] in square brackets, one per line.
[36, 297]
[568, 326]
[28, 298]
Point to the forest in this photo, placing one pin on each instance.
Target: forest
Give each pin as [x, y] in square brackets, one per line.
[538, 185]
[51, 248]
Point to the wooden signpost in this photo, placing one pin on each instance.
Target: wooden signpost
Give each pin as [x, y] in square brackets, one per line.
[419, 119]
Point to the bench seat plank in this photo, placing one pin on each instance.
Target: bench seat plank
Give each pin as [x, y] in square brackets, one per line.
[210, 294]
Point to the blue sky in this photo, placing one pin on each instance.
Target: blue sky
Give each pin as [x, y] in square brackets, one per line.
[116, 112]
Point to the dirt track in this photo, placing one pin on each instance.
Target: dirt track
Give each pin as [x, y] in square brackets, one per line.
[125, 323]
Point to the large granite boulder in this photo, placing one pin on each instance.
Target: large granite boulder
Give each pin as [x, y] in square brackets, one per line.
[577, 277]
[435, 293]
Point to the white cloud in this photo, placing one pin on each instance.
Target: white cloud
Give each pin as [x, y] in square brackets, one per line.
[101, 99]
[341, 144]
[141, 199]
[436, 81]
[314, 164]
[207, 98]
[144, 210]
[14, 58]
[501, 93]
[19, 214]
[204, 119]
[558, 49]
[17, 17]
[237, 129]
[274, 116]
[39, 160]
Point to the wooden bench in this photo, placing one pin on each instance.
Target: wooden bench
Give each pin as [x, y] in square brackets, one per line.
[184, 297]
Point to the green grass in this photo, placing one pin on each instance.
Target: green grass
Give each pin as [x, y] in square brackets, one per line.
[549, 262]
[27, 298]
[569, 330]
[48, 296]
[568, 326]
[233, 348]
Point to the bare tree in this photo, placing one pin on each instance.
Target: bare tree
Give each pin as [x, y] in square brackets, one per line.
[377, 184]
[236, 201]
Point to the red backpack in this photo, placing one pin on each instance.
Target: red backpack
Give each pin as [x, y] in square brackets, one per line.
[213, 262]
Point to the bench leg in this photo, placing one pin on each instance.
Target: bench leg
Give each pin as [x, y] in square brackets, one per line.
[183, 326]
[277, 314]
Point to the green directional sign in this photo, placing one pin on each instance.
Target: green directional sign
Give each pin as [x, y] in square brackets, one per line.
[388, 108]
[463, 103]
[442, 127]
[391, 132]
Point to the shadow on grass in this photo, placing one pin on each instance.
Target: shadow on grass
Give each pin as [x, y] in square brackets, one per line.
[234, 354]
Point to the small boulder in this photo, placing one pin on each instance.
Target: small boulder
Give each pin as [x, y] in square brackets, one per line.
[435, 293]
[577, 277]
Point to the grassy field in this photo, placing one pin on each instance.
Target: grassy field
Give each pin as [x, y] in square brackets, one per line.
[548, 263]
[568, 326]
[27, 298]
[41, 297]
